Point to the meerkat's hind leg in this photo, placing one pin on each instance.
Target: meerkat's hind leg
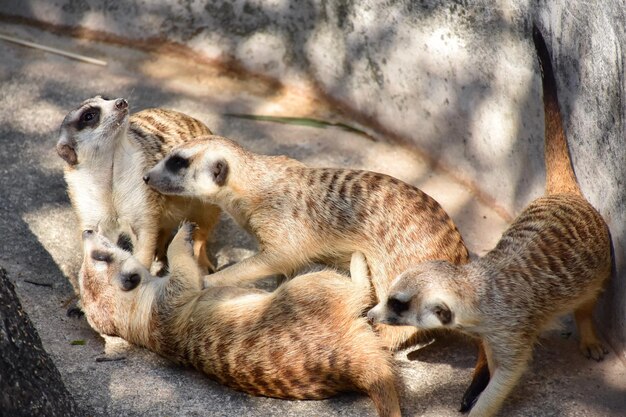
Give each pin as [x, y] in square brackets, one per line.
[589, 345]
[376, 375]
[480, 380]
[384, 394]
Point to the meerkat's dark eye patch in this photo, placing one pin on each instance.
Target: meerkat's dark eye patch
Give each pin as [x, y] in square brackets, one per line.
[125, 242]
[443, 313]
[89, 117]
[130, 281]
[102, 256]
[397, 306]
[175, 163]
[219, 169]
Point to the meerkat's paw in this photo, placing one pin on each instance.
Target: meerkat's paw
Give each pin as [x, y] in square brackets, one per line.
[75, 312]
[209, 281]
[593, 349]
[184, 238]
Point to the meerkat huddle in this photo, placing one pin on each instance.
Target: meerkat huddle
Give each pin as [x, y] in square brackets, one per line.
[133, 179]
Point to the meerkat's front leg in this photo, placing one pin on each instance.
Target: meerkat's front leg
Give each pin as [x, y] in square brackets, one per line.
[244, 272]
[590, 345]
[507, 364]
[147, 238]
[182, 264]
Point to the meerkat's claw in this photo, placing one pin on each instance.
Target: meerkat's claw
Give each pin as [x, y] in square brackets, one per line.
[593, 350]
[75, 312]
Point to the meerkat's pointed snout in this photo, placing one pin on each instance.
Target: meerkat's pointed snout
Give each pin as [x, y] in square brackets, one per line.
[87, 234]
[371, 317]
[146, 178]
[121, 104]
[375, 316]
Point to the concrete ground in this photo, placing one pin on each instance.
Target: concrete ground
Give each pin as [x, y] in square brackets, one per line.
[39, 241]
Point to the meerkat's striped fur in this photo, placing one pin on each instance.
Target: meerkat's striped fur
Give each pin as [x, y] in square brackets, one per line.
[301, 215]
[553, 259]
[107, 153]
[306, 340]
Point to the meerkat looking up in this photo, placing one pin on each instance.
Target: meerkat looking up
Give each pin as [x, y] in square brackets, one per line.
[301, 215]
[554, 259]
[107, 152]
[306, 340]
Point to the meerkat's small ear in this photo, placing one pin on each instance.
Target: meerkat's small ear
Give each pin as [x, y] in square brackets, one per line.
[219, 170]
[66, 150]
[129, 282]
[443, 313]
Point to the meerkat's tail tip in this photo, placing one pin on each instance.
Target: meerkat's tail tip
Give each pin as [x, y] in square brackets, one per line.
[560, 176]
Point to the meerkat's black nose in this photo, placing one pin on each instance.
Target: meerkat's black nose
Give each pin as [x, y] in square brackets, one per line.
[87, 233]
[121, 104]
[146, 178]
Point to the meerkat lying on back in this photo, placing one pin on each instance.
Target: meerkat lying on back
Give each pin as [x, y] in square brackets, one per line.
[301, 215]
[107, 154]
[553, 259]
[306, 340]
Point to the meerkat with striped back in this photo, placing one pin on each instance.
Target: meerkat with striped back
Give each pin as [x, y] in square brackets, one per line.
[554, 258]
[306, 340]
[107, 152]
[301, 215]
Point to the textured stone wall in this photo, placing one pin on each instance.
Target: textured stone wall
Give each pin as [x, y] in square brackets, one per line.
[455, 79]
[30, 384]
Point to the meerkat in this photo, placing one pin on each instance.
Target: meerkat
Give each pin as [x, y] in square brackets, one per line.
[107, 152]
[306, 340]
[555, 258]
[300, 215]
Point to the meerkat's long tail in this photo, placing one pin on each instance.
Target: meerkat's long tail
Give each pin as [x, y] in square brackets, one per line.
[560, 176]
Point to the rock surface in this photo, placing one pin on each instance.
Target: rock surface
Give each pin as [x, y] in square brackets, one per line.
[30, 384]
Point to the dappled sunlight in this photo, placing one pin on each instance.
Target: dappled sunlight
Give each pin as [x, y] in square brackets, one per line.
[269, 51]
[55, 227]
[459, 95]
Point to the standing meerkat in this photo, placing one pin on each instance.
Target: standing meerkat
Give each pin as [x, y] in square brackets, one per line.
[107, 153]
[301, 215]
[306, 340]
[553, 259]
